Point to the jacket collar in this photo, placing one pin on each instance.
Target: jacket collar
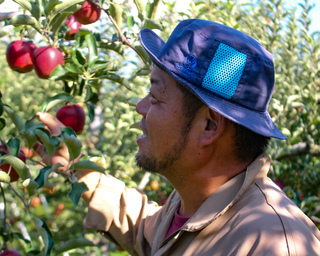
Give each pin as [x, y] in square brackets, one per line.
[223, 198]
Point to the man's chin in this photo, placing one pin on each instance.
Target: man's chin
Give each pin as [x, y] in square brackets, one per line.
[147, 163]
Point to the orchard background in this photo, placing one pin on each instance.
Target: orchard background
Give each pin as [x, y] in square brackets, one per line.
[106, 71]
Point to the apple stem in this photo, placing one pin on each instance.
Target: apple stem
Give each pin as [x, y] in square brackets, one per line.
[17, 194]
[47, 37]
[5, 231]
[124, 40]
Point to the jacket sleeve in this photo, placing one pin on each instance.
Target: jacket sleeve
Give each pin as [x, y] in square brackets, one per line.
[122, 214]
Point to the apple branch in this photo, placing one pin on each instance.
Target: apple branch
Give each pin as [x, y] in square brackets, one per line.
[124, 40]
[20, 197]
[5, 231]
[8, 15]
[299, 149]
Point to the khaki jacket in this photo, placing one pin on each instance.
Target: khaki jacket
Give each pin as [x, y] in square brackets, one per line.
[248, 215]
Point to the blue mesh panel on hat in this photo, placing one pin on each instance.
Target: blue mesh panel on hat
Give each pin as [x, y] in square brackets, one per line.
[225, 71]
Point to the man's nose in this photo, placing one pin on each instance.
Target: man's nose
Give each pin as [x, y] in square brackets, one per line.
[142, 106]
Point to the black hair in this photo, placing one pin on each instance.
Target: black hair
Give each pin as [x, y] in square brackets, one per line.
[248, 144]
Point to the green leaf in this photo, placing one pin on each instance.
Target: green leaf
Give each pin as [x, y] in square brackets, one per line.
[90, 112]
[44, 136]
[142, 52]
[32, 123]
[30, 185]
[141, 7]
[60, 7]
[87, 165]
[2, 123]
[50, 5]
[296, 105]
[152, 24]
[134, 101]
[286, 132]
[135, 126]
[58, 21]
[77, 189]
[57, 99]
[293, 98]
[21, 237]
[116, 13]
[130, 21]
[74, 243]
[74, 146]
[153, 9]
[16, 119]
[1, 105]
[33, 8]
[4, 177]
[45, 234]
[142, 72]
[30, 138]
[61, 18]
[83, 31]
[117, 47]
[101, 161]
[115, 77]
[73, 68]
[43, 175]
[66, 132]
[23, 19]
[92, 47]
[100, 64]
[14, 146]
[33, 253]
[58, 72]
[18, 165]
[78, 58]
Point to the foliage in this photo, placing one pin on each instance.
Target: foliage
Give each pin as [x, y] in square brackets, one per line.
[106, 71]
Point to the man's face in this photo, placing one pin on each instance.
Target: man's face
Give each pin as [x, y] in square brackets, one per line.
[163, 124]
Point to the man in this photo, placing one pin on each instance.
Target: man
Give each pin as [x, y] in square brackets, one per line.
[205, 128]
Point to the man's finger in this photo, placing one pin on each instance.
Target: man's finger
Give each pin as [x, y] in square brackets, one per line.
[51, 123]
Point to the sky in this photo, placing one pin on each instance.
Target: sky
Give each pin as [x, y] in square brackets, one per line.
[314, 13]
[9, 5]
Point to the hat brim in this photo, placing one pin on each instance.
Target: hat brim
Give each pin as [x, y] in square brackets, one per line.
[258, 122]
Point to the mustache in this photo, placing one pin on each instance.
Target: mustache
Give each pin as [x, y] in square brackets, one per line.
[143, 126]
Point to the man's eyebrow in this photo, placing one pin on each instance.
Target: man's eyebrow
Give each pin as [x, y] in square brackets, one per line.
[156, 83]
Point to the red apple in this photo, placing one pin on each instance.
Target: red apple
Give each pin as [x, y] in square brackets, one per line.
[74, 26]
[28, 152]
[46, 59]
[19, 56]
[10, 253]
[14, 176]
[72, 116]
[35, 201]
[89, 13]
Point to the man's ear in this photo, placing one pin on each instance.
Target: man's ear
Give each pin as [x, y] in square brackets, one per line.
[213, 126]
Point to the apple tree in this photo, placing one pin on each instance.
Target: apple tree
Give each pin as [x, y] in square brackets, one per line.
[90, 72]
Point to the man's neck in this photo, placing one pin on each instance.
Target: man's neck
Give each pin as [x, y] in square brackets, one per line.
[194, 190]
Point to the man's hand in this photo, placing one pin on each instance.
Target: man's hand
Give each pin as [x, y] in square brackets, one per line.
[61, 154]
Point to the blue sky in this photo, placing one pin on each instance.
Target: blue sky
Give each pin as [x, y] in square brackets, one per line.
[314, 13]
